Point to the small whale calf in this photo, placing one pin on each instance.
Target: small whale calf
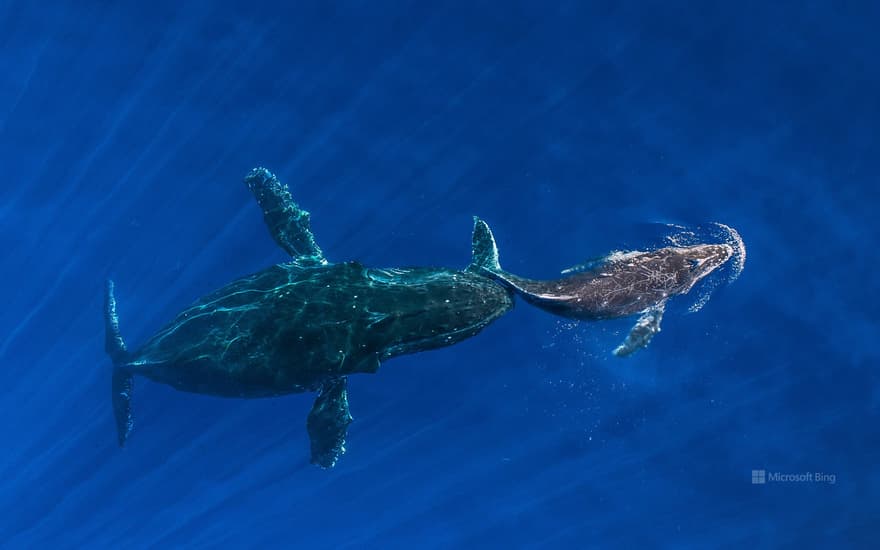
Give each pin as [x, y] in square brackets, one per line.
[621, 285]
[307, 324]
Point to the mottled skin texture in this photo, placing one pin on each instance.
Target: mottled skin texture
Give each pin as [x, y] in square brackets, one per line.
[625, 286]
[290, 328]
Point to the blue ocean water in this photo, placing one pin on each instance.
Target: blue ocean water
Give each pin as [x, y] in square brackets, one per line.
[573, 128]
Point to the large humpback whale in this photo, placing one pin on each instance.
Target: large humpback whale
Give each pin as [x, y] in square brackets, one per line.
[619, 285]
[303, 326]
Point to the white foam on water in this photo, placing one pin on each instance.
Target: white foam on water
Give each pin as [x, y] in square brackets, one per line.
[732, 237]
[703, 298]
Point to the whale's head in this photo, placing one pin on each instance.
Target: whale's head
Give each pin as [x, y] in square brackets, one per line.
[702, 260]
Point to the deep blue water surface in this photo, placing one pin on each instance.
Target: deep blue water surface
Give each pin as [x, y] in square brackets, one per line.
[126, 129]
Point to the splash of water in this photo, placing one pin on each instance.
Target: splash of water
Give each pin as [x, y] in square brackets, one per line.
[732, 237]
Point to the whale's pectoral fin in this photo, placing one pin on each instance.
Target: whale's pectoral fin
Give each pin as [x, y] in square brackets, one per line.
[122, 385]
[121, 382]
[289, 224]
[328, 423]
[644, 330]
[588, 265]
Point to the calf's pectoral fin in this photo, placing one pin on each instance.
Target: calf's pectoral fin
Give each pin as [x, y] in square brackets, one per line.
[289, 224]
[644, 330]
[328, 423]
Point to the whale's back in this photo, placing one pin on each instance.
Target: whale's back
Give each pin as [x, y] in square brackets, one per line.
[288, 328]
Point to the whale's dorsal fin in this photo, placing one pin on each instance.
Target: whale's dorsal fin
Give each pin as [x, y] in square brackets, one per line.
[289, 224]
[484, 251]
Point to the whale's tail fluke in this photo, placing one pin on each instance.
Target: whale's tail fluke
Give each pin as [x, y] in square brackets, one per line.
[114, 345]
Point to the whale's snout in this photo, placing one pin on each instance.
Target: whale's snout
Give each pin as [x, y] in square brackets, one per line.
[706, 258]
